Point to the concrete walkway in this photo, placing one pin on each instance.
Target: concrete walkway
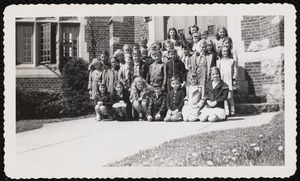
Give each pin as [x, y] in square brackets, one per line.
[82, 147]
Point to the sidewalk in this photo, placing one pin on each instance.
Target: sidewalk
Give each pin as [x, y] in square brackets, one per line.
[82, 147]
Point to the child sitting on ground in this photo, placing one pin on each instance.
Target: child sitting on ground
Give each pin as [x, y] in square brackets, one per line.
[157, 103]
[121, 103]
[139, 97]
[103, 104]
[174, 101]
[192, 101]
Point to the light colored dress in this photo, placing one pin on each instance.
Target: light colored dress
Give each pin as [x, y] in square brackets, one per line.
[228, 71]
[193, 97]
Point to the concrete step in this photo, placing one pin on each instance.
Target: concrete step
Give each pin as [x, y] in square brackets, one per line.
[243, 98]
[251, 108]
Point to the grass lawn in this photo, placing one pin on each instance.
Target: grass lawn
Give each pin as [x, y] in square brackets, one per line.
[31, 124]
[257, 146]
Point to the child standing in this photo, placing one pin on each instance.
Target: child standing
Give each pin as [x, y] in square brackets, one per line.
[174, 67]
[140, 68]
[126, 72]
[95, 77]
[139, 97]
[228, 72]
[204, 34]
[119, 56]
[157, 69]
[196, 39]
[216, 92]
[103, 103]
[167, 46]
[189, 62]
[192, 101]
[157, 103]
[174, 101]
[112, 75]
[220, 35]
[211, 57]
[120, 101]
[201, 64]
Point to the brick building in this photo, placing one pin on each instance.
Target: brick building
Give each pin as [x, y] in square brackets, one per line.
[42, 42]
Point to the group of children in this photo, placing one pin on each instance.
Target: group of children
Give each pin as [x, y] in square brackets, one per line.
[175, 80]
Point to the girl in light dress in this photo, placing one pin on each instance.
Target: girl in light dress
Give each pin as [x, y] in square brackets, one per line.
[228, 72]
[192, 102]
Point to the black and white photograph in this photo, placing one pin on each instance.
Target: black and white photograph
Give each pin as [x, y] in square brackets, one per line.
[148, 91]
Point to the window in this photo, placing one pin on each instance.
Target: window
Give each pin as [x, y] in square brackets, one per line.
[45, 40]
[24, 43]
[70, 41]
[211, 30]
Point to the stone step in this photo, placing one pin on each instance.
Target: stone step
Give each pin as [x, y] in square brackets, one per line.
[242, 98]
[250, 108]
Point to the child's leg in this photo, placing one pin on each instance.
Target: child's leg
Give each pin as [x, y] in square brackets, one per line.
[98, 113]
[193, 118]
[226, 107]
[185, 113]
[168, 116]
[137, 106]
[177, 117]
[144, 105]
[203, 118]
[231, 103]
[213, 118]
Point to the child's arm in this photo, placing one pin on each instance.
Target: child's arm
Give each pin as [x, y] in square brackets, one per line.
[148, 112]
[167, 101]
[181, 97]
[235, 70]
[224, 95]
[164, 77]
[163, 105]
[90, 81]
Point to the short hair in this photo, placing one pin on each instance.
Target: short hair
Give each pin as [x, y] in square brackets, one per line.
[170, 43]
[127, 46]
[175, 78]
[136, 52]
[192, 74]
[136, 45]
[118, 52]
[203, 42]
[102, 85]
[156, 52]
[202, 31]
[172, 51]
[119, 83]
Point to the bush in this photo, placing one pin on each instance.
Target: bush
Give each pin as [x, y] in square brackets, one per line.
[34, 104]
[74, 87]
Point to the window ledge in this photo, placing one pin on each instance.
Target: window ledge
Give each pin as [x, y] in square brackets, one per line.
[39, 71]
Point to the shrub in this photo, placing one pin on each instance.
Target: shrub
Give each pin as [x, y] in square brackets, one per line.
[74, 87]
[34, 104]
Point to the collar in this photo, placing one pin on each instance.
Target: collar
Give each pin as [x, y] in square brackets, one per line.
[137, 64]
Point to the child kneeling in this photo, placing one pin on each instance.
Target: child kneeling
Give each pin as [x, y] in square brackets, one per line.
[174, 101]
[216, 92]
[157, 103]
[103, 103]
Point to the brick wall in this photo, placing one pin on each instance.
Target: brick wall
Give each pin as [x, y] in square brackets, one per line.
[254, 77]
[140, 29]
[256, 28]
[48, 84]
[123, 31]
[97, 30]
